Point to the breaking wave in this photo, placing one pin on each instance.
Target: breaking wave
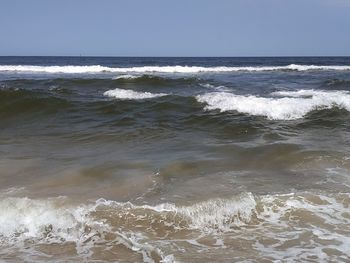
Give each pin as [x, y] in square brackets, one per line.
[162, 69]
[283, 105]
[155, 79]
[126, 77]
[126, 94]
[55, 221]
[141, 228]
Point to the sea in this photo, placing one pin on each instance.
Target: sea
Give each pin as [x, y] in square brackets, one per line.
[169, 159]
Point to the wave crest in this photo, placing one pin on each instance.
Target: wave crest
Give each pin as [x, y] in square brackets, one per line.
[294, 104]
[126, 94]
[208, 216]
[142, 228]
[163, 69]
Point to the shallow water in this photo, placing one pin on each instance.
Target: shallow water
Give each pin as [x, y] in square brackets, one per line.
[174, 159]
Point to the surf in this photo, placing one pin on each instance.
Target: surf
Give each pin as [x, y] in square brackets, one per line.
[281, 105]
[94, 69]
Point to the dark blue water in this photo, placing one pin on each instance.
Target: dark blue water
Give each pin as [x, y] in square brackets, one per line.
[166, 61]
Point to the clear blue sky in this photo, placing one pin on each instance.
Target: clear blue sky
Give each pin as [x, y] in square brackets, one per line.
[175, 28]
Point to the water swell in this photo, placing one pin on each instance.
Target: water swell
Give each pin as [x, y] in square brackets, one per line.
[338, 83]
[15, 101]
[279, 105]
[146, 79]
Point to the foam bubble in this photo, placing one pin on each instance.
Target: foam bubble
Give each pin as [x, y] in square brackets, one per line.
[161, 69]
[295, 104]
[323, 217]
[126, 94]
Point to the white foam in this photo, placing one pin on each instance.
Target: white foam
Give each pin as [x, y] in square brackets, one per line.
[295, 104]
[126, 76]
[24, 218]
[289, 217]
[307, 93]
[212, 215]
[252, 219]
[136, 242]
[207, 85]
[69, 69]
[220, 214]
[217, 88]
[126, 94]
[54, 220]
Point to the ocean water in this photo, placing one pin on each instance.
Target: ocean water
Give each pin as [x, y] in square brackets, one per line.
[174, 159]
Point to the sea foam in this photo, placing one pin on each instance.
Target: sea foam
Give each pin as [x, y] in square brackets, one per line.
[54, 220]
[246, 216]
[283, 105]
[127, 76]
[27, 218]
[126, 94]
[69, 69]
[208, 216]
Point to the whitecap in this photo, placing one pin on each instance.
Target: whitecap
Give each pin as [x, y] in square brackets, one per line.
[126, 76]
[126, 94]
[70, 69]
[283, 105]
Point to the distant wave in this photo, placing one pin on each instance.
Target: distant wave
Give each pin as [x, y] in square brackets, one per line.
[283, 105]
[338, 82]
[127, 77]
[155, 79]
[126, 94]
[162, 69]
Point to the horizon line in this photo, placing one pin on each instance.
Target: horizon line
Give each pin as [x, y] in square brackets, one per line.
[112, 56]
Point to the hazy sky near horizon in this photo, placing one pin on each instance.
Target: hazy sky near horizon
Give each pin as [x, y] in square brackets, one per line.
[175, 28]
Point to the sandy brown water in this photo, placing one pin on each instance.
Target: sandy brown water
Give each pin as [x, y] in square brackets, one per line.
[191, 166]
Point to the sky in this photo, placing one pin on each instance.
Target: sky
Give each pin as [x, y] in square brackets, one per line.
[175, 28]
